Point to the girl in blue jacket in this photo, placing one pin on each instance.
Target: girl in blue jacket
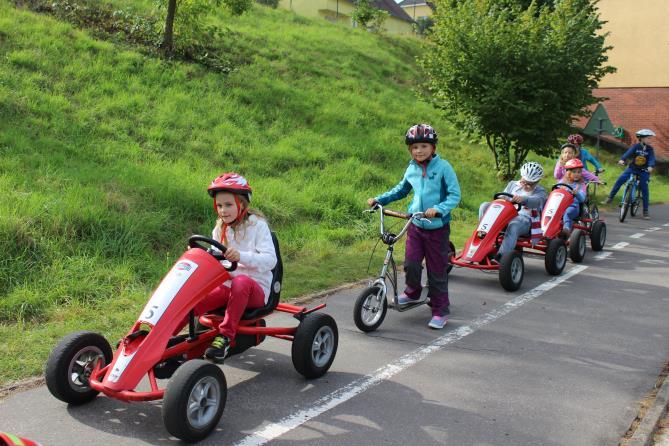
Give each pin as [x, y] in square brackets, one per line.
[435, 192]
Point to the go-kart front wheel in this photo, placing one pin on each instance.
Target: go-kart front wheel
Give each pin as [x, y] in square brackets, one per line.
[556, 256]
[70, 364]
[315, 345]
[598, 235]
[194, 400]
[511, 270]
[577, 246]
[370, 308]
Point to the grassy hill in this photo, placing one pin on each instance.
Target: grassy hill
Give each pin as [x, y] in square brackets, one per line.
[106, 152]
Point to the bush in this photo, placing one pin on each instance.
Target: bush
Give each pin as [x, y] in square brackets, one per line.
[271, 3]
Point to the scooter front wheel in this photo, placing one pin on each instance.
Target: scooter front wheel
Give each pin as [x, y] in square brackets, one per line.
[370, 308]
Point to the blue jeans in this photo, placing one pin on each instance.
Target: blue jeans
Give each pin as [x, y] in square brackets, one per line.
[643, 185]
[570, 215]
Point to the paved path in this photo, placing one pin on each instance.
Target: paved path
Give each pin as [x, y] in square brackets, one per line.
[562, 361]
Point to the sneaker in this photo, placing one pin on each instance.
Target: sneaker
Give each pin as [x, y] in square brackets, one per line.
[607, 200]
[403, 299]
[218, 350]
[646, 216]
[437, 322]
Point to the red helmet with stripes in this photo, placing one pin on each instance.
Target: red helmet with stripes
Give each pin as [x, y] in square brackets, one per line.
[573, 163]
[230, 182]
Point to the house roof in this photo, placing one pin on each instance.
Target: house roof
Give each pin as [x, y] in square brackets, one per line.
[412, 2]
[634, 109]
[393, 8]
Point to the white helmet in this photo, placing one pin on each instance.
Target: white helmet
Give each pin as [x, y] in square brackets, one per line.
[532, 172]
[644, 132]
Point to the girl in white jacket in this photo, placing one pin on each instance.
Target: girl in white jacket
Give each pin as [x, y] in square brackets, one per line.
[249, 241]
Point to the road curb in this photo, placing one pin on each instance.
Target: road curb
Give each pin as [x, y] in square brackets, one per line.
[36, 381]
[644, 433]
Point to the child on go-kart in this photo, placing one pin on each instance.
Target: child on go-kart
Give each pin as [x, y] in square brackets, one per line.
[528, 192]
[436, 191]
[573, 177]
[249, 241]
[568, 151]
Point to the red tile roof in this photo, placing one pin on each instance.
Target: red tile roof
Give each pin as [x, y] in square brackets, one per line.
[634, 109]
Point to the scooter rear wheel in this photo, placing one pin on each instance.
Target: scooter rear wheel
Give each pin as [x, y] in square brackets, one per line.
[194, 400]
[370, 309]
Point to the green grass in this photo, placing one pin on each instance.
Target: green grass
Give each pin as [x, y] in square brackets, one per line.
[106, 152]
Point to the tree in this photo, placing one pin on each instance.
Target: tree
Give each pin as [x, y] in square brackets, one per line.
[515, 76]
[369, 16]
[189, 15]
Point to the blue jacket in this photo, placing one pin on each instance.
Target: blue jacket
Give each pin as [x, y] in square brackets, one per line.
[586, 157]
[642, 156]
[434, 186]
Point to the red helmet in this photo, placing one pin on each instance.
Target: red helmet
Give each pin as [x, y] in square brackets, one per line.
[230, 182]
[575, 139]
[573, 163]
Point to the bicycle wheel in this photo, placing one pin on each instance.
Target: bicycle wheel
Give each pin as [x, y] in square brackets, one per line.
[625, 204]
[634, 208]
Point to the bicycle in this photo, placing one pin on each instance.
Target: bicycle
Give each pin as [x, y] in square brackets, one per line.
[371, 305]
[631, 199]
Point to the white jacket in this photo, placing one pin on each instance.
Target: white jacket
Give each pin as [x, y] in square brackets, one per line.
[256, 251]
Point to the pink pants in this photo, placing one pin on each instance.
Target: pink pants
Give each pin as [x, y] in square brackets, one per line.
[242, 294]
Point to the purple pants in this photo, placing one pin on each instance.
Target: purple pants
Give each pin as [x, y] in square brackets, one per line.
[431, 245]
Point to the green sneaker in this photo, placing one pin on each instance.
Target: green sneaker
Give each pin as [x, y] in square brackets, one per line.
[218, 350]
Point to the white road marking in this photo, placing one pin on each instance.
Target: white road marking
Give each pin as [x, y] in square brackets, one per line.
[637, 235]
[602, 255]
[655, 228]
[619, 245]
[653, 261]
[666, 224]
[275, 430]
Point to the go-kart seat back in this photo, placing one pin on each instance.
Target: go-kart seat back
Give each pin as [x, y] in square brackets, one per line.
[275, 289]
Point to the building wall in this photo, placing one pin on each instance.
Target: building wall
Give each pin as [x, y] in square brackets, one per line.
[419, 11]
[340, 11]
[640, 38]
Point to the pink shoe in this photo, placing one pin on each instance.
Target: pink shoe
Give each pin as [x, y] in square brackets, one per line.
[438, 322]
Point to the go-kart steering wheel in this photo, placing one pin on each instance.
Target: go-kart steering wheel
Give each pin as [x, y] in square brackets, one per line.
[194, 241]
[504, 194]
[571, 189]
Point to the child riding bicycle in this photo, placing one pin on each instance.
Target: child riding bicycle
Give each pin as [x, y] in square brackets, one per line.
[642, 156]
[435, 192]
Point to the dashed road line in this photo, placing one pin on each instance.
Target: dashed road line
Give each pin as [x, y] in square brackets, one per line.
[619, 245]
[339, 396]
[637, 235]
[655, 228]
[603, 255]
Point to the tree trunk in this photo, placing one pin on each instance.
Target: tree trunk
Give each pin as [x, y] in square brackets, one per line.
[168, 38]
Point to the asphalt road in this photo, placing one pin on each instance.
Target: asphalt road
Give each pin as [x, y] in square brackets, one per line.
[563, 361]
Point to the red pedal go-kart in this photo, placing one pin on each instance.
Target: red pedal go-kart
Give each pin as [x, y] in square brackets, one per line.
[82, 364]
[484, 243]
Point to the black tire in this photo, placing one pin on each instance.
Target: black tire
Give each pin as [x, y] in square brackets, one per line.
[370, 309]
[634, 208]
[577, 246]
[315, 345]
[598, 235]
[624, 207]
[70, 364]
[200, 386]
[511, 270]
[451, 253]
[556, 256]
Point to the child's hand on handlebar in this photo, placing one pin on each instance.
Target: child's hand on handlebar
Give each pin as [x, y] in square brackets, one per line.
[431, 212]
[232, 254]
[621, 162]
[517, 199]
[651, 169]
[371, 202]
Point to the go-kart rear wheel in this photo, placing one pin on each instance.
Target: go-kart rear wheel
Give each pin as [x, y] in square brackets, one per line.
[315, 345]
[577, 246]
[70, 364]
[598, 235]
[194, 400]
[511, 270]
[370, 308]
[556, 256]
